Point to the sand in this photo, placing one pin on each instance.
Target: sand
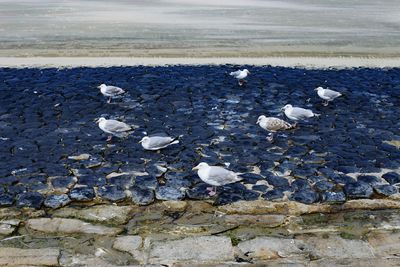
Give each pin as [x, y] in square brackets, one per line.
[306, 62]
[199, 28]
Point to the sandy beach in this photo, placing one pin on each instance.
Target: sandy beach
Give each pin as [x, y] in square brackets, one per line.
[304, 62]
[177, 28]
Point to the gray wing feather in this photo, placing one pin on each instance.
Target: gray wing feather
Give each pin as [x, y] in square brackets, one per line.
[331, 94]
[223, 176]
[113, 90]
[117, 126]
[302, 113]
[160, 141]
[235, 73]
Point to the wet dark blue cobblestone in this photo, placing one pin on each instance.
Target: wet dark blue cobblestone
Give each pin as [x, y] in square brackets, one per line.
[47, 115]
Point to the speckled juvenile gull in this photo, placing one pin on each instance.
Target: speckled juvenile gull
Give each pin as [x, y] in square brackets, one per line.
[216, 176]
[158, 142]
[114, 127]
[273, 125]
[110, 91]
[296, 113]
[327, 94]
[240, 75]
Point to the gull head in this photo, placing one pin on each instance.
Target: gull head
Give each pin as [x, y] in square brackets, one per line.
[144, 140]
[247, 71]
[201, 165]
[288, 106]
[318, 88]
[100, 120]
[102, 86]
[261, 118]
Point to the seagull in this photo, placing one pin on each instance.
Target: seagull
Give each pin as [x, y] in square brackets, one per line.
[114, 127]
[240, 75]
[273, 125]
[110, 91]
[327, 94]
[216, 176]
[296, 113]
[158, 142]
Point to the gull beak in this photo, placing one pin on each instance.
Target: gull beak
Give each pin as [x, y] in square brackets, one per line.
[316, 89]
[140, 141]
[98, 87]
[96, 120]
[195, 168]
[248, 72]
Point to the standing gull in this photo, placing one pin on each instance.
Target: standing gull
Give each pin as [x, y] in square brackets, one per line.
[114, 127]
[273, 125]
[215, 176]
[158, 142]
[327, 94]
[110, 91]
[296, 113]
[240, 75]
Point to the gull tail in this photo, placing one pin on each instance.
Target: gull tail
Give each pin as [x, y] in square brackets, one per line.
[176, 140]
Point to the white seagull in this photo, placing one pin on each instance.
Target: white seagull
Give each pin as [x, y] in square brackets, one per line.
[114, 127]
[216, 176]
[158, 142]
[273, 125]
[296, 113]
[110, 91]
[327, 94]
[240, 75]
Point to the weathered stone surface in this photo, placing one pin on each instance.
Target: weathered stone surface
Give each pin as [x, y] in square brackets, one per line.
[82, 193]
[352, 262]
[132, 245]
[372, 204]
[57, 201]
[6, 213]
[271, 247]
[262, 220]
[29, 257]
[69, 226]
[266, 207]
[205, 249]
[339, 248]
[385, 244]
[109, 214]
[8, 226]
[295, 208]
[141, 196]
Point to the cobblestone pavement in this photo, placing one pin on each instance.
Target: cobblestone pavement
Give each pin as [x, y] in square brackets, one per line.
[53, 153]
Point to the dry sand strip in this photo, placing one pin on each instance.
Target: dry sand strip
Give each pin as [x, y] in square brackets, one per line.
[305, 62]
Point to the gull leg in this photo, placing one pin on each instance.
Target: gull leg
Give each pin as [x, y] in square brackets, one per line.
[109, 138]
[326, 103]
[270, 138]
[241, 82]
[109, 100]
[212, 191]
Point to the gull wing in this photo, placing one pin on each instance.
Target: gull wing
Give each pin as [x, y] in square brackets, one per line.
[331, 93]
[113, 90]
[235, 73]
[117, 126]
[222, 176]
[302, 113]
[276, 124]
[160, 141]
